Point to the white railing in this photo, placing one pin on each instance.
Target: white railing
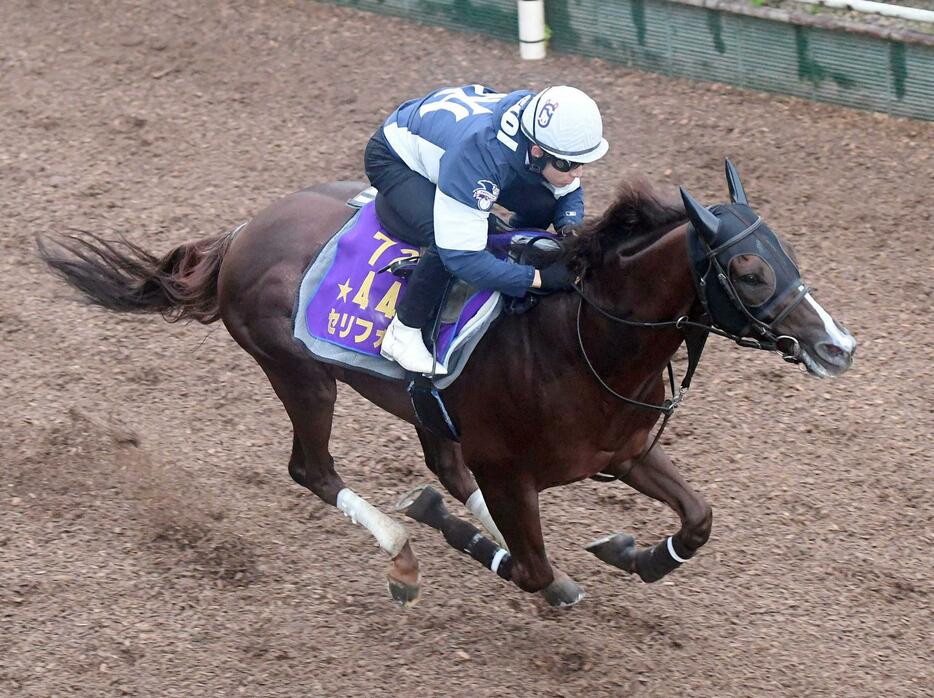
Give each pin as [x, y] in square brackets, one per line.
[878, 8]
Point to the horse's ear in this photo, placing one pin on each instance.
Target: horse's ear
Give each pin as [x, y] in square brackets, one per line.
[705, 223]
[737, 193]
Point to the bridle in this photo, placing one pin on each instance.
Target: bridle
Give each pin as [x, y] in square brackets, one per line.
[769, 339]
[695, 345]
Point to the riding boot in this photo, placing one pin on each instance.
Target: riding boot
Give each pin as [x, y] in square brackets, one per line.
[403, 341]
[405, 346]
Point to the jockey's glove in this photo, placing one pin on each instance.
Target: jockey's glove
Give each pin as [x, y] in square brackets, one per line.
[567, 230]
[556, 277]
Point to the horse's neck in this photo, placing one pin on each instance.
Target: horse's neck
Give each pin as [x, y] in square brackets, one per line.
[653, 285]
[536, 357]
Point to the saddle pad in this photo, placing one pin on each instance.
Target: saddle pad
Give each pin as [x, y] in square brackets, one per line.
[345, 303]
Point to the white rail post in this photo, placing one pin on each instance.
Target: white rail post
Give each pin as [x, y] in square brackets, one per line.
[532, 29]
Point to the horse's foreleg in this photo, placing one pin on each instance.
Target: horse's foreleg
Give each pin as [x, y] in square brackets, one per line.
[656, 476]
[513, 502]
[476, 505]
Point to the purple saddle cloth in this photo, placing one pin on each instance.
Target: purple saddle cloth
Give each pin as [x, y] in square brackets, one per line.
[346, 300]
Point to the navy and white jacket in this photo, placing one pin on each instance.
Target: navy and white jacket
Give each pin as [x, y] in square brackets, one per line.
[467, 141]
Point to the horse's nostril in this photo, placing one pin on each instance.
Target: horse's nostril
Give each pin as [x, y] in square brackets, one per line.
[834, 353]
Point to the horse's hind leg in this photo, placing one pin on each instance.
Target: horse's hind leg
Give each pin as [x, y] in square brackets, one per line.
[532, 569]
[445, 460]
[308, 393]
[656, 476]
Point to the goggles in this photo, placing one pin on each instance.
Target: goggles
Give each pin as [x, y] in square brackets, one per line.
[563, 165]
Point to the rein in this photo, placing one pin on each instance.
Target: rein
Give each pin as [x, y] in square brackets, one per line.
[704, 228]
[695, 346]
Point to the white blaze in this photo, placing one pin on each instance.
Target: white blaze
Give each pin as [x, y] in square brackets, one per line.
[843, 340]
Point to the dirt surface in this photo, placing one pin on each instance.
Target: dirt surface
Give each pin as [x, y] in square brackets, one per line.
[151, 540]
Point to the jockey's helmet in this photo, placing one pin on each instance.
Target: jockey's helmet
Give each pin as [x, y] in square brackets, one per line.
[566, 123]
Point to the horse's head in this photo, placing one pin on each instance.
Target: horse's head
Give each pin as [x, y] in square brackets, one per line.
[752, 289]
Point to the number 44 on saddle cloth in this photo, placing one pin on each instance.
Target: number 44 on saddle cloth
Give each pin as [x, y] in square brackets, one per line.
[345, 303]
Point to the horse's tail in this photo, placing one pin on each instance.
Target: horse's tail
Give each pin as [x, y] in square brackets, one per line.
[120, 276]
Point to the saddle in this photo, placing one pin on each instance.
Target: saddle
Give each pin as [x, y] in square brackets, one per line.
[524, 247]
[349, 292]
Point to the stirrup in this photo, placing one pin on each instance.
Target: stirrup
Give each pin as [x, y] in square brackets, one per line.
[402, 268]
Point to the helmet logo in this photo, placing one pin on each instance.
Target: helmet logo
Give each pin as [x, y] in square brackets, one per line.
[546, 112]
[486, 194]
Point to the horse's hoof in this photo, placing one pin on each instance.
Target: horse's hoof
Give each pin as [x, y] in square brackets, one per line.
[406, 500]
[604, 477]
[563, 592]
[403, 593]
[618, 550]
[425, 505]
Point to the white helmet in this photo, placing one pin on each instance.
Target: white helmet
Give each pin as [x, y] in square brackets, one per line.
[566, 123]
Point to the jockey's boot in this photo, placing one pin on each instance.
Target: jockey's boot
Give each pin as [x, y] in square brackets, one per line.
[405, 346]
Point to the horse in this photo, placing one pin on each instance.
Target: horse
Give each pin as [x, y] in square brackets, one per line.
[571, 389]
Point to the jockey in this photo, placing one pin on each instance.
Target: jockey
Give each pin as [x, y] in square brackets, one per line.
[440, 163]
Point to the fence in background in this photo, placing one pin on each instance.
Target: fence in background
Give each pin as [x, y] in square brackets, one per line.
[816, 57]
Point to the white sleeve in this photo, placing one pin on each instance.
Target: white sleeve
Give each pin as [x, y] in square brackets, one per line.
[561, 191]
[458, 226]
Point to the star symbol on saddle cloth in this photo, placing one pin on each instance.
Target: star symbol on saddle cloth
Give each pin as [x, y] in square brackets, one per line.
[344, 290]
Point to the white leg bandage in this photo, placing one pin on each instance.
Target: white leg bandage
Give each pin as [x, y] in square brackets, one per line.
[671, 551]
[390, 534]
[477, 507]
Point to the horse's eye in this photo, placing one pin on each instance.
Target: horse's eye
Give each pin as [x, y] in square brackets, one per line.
[750, 279]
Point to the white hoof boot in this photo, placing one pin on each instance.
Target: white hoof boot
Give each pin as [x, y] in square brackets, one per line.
[404, 345]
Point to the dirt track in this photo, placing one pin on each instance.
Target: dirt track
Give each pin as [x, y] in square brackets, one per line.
[151, 541]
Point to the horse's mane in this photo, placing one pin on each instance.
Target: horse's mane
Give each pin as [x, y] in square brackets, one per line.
[635, 220]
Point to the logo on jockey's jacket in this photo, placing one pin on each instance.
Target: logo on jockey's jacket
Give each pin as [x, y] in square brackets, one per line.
[486, 194]
[546, 112]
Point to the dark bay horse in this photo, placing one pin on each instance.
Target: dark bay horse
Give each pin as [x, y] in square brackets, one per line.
[569, 390]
